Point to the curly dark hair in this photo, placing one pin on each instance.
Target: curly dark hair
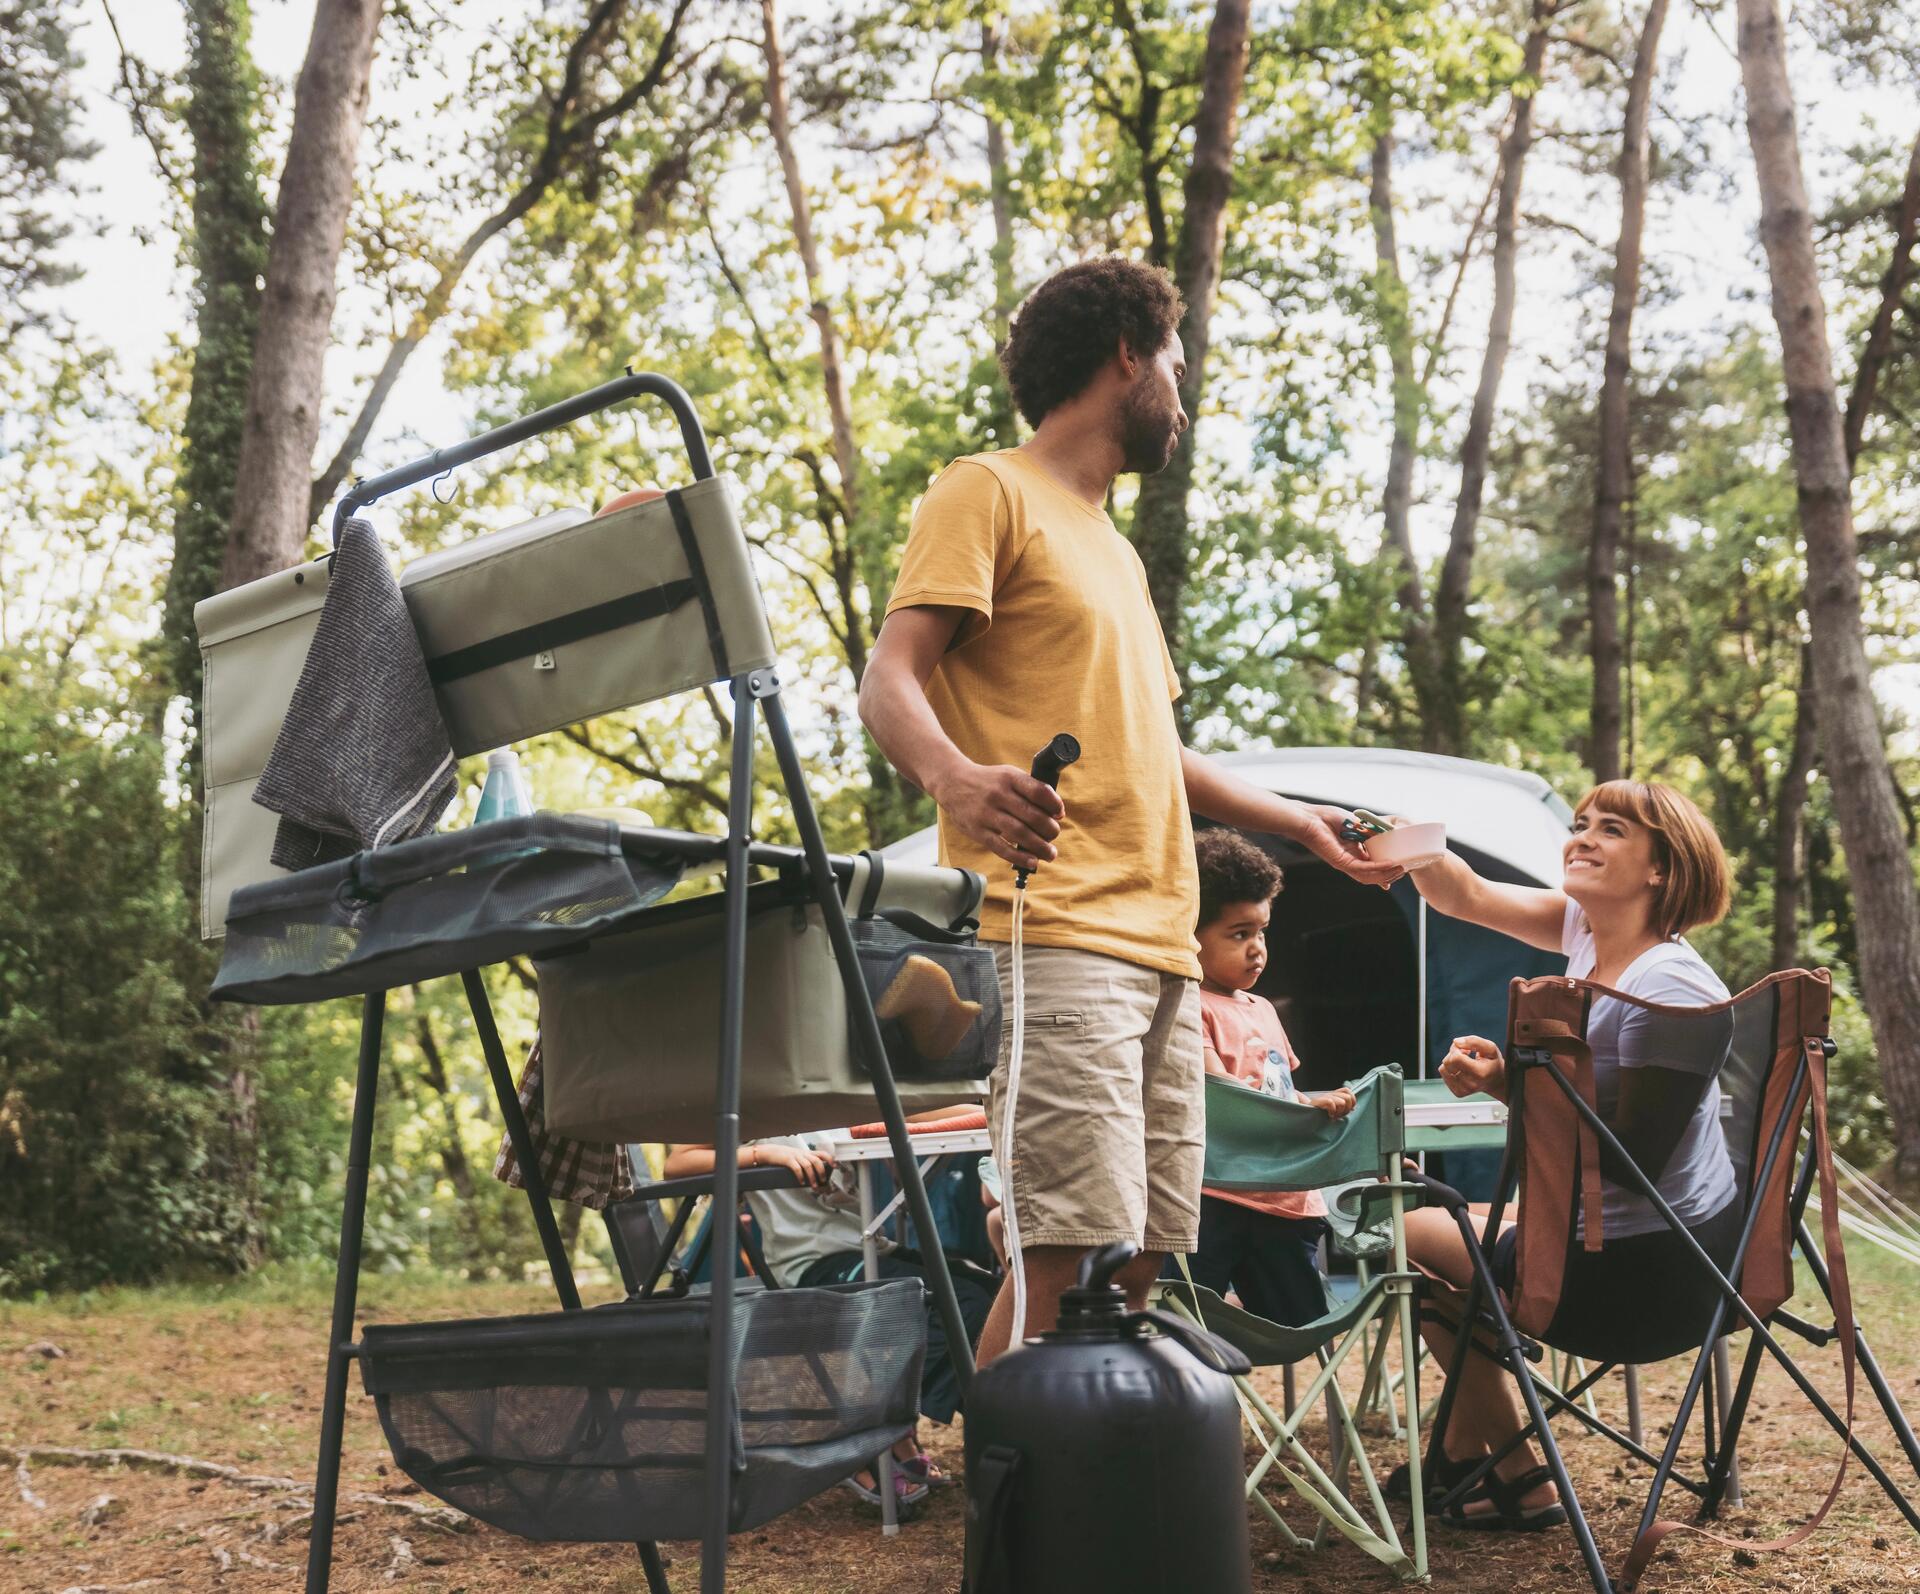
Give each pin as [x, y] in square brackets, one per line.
[1073, 323]
[1233, 869]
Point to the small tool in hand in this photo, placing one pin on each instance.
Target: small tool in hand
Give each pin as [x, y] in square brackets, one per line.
[1364, 824]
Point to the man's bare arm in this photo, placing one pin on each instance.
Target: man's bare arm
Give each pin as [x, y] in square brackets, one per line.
[1215, 792]
[1003, 808]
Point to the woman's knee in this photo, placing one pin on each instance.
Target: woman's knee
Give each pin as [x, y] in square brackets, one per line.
[1432, 1236]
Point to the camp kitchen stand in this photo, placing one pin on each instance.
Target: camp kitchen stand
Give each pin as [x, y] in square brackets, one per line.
[293, 953]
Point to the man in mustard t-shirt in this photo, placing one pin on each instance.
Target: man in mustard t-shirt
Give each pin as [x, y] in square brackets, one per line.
[1021, 612]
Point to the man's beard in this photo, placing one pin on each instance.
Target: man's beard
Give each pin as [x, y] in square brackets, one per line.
[1147, 434]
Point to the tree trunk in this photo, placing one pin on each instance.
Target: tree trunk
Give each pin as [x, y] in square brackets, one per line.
[1396, 502]
[833, 371]
[275, 470]
[1790, 807]
[1790, 821]
[1880, 869]
[1000, 188]
[1615, 477]
[885, 796]
[453, 1155]
[1893, 285]
[572, 140]
[229, 256]
[1447, 733]
[1160, 527]
[1790, 826]
[1002, 422]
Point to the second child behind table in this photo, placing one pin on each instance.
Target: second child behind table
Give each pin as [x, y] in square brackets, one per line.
[812, 1236]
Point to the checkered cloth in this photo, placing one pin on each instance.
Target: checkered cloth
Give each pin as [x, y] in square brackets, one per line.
[588, 1172]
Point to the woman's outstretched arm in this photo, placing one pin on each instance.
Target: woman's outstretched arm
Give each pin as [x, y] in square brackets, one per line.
[1534, 914]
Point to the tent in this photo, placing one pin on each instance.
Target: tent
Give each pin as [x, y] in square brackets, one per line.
[1363, 977]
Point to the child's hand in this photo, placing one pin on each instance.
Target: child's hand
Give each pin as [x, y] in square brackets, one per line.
[814, 1169]
[1336, 1104]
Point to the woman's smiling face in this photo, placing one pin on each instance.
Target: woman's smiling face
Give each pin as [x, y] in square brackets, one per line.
[1609, 860]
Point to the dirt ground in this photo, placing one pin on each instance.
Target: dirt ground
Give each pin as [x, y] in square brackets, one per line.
[232, 1375]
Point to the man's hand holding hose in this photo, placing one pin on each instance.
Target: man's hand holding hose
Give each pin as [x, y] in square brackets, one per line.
[1006, 810]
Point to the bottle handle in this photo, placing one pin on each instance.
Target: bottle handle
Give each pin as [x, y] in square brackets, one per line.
[1202, 1344]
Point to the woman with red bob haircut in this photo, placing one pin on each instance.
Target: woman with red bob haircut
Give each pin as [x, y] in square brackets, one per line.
[1642, 867]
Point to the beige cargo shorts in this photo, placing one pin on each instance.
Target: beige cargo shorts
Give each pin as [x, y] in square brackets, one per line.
[1109, 1137]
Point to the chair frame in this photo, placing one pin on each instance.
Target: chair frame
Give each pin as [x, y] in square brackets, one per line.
[756, 693]
[1486, 1308]
[1388, 1293]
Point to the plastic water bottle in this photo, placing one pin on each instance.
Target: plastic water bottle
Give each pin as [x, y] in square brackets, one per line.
[505, 794]
[504, 797]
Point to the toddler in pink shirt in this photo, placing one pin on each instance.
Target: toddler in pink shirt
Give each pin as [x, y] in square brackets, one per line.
[1264, 1246]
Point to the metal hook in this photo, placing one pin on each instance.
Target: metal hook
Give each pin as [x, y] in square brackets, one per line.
[435, 488]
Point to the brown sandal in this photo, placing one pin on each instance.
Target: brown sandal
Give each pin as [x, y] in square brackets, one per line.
[1508, 1515]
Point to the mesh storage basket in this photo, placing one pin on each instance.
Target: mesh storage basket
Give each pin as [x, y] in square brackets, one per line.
[591, 1425]
[435, 905]
[937, 996]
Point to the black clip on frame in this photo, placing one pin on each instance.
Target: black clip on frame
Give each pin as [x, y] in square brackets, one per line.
[550, 419]
[1047, 766]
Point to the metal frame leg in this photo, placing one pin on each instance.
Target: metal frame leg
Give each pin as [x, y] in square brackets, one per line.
[1515, 1357]
[530, 1174]
[1876, 1379]
[346, 1288]
[535, 1183]
[870, 1266]
[1719, 1481]
[1723, 1388]
[726, 1151]
[866, 1037]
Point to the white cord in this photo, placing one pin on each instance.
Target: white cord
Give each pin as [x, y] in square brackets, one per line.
[1009, 1204]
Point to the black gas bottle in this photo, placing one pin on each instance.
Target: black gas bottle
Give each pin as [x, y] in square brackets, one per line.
[1104, 1457]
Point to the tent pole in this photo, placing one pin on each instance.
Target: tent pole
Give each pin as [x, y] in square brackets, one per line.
[1421, 919]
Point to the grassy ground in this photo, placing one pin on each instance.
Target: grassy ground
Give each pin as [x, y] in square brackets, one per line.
[233, 1375]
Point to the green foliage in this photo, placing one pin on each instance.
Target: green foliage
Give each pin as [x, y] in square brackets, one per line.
[118, 1159]
[669, 245]
[229, 253]
[39, 138]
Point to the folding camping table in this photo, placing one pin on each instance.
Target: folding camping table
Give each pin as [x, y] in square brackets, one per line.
[308, 964]
[861, 1152]
[1438, 1120]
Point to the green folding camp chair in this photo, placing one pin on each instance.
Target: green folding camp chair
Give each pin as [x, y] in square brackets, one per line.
[1260, 1143]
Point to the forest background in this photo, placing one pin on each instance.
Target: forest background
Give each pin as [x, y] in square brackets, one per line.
[1518, 435]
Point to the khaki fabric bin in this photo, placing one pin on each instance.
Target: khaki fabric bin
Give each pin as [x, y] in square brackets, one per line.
[548, 624]
[630, 1025]
[253, 644]
[525, 630]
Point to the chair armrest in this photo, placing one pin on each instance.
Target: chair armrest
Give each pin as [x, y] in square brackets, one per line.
[1375, 1201]
[701, 1184]
[1440, 1195]
[1361, 1215]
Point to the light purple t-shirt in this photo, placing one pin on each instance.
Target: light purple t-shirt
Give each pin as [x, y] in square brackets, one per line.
[1698, 1179]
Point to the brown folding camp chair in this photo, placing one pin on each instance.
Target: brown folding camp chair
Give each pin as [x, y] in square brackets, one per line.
[1765, 1052]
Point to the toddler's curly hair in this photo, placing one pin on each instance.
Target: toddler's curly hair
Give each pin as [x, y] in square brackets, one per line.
[1233, 869]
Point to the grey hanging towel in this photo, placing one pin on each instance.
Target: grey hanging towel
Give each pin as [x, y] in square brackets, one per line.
[363, 758]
